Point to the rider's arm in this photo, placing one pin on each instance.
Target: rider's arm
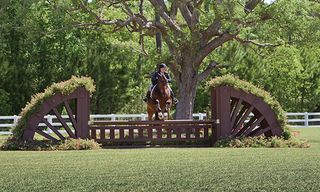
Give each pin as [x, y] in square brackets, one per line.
[168, 77]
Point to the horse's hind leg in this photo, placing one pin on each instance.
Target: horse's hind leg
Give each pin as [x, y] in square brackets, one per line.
[150, 116]
[156, 116]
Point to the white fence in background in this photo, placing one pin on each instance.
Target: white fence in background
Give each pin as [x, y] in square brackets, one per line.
[295, 120]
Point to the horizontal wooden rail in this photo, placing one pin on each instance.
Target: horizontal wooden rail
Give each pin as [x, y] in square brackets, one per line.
[151, 131]
[167, 122]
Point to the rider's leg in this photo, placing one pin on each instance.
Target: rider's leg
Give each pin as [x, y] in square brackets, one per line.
[175, 100]
[145, 99]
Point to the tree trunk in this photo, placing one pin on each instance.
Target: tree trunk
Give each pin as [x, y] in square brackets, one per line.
[187, 85]
[184, 108]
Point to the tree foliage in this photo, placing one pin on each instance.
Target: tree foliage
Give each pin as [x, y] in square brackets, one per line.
[44, 41]
[288, 71]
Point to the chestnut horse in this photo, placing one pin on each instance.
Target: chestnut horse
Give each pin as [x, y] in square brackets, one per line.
[160, 100]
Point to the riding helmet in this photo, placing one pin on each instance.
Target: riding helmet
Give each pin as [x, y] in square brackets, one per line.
[162, 65]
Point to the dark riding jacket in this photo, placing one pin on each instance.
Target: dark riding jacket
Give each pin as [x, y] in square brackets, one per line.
[155, 76]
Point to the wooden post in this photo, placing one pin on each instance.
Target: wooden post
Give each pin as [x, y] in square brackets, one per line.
[82, 114]
[220, 106]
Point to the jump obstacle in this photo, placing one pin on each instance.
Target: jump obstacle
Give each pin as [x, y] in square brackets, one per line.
[234, 113]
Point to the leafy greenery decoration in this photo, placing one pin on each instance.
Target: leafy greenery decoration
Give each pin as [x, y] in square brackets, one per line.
[43, 145]
[232, 81]
[65, 88]
[262, 142]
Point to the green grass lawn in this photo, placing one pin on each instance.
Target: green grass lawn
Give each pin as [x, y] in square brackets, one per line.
[165, 169]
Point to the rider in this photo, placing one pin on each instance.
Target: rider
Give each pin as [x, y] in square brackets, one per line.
[162, 70]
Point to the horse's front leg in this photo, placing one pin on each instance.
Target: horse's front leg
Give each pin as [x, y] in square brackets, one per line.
[158, 114]
[167, 109]
[151, 110]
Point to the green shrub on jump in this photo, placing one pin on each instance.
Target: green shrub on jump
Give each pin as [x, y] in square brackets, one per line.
[65, 88]
[232, 81]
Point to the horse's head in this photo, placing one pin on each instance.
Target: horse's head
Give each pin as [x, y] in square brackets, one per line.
[162, 80]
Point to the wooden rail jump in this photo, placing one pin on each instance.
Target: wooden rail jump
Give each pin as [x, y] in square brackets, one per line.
[234, 113]
[107, 132]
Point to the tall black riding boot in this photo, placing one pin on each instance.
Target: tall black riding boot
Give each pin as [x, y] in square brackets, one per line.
[145, 99]
[175, 100]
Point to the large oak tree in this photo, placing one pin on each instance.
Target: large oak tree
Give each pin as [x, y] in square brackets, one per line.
[190, 29]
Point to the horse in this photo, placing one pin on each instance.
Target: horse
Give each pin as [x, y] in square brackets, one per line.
[160, 101]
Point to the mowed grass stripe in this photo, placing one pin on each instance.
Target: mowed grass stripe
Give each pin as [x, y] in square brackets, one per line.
[165, 169]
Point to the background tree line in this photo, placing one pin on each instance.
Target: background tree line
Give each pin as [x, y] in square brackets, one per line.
[39, 45]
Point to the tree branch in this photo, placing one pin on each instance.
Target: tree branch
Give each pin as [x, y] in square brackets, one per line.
[243, 41]
[190, 13]
[118, 22]
[207, 71]
[163, 12]
[199, 3]
[251, 5]
[135, 22]
[195, 17]
[172, 48]
[211, 31]
[141, 38]
[209, 47]
[90, 11]
[173, 10]
[186, 14]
